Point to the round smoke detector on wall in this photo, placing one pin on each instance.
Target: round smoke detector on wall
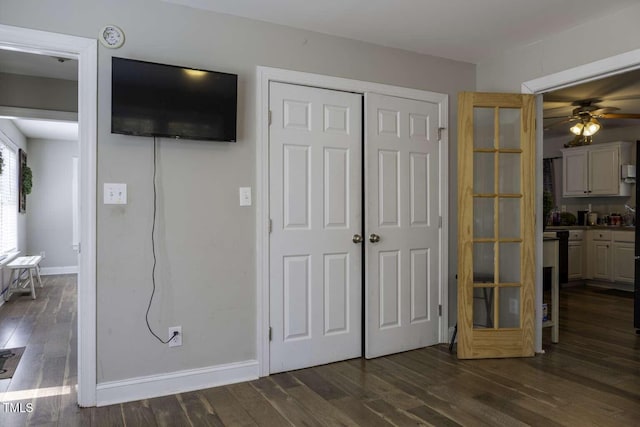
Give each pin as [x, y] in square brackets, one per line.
[111, 36]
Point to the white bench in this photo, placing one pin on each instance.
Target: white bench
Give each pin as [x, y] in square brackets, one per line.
[22, 280]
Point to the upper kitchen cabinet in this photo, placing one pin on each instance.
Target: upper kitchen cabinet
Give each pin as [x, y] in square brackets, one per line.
[594, 170]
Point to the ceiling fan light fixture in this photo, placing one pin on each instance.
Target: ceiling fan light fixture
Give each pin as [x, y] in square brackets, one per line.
[591, 127]
[577, 129]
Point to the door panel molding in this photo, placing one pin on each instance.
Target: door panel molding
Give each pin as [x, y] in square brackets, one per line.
[265, 75]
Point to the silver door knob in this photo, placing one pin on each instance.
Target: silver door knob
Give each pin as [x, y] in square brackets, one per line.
[374, 238]
[637, 257]
[357, 238]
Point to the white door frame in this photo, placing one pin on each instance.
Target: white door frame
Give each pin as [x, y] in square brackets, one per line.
[606, 67]
[86, 52]
[268, 74]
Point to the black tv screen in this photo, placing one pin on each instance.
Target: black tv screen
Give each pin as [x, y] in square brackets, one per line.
[149, 99]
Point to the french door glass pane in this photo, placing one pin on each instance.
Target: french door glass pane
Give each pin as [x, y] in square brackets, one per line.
[483, 222]
[483, 128]
[483, 308]
[509, 307]
[509, 127]
[509, 263]
[483, 262]
[509, 218]
[483, 173]
[509, 173]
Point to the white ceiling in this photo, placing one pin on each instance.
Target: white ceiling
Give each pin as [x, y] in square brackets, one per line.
[47, 129]
[464, 30]
[28, 64]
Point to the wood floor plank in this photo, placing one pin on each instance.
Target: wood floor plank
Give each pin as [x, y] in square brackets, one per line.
[256, 405]
[138, 414]
[358, 411]
[393, 414]
[168, 411]
[321, 409]
[198, 410]
[227, 407]
[288, 407]
[318, 384]
[107, 416]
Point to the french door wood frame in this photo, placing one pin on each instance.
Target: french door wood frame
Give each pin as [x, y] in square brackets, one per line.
[265, 75]
[496, 225]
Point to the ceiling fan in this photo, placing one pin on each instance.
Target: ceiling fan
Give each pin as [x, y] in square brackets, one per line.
[586, 117]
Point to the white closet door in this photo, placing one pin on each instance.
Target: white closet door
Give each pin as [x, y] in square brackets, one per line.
[402, 211]
[315, 148]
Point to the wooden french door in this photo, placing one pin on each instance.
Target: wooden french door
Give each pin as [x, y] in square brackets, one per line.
[496, 225]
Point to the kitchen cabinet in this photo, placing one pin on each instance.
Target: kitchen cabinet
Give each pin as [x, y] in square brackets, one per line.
[610, 255]
[623, 256]
[576, 254]
[594, 170]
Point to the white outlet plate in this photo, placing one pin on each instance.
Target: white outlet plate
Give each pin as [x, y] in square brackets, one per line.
[177, 340]
[115, 193]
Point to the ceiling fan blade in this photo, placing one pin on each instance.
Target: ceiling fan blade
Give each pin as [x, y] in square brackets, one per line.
[620, 116]
[560, 122]
[565, 116]
[603, 110]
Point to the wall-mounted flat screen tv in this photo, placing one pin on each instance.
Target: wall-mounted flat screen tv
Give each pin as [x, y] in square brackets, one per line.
[149, 99]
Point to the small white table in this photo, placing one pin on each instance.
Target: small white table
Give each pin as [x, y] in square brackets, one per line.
[21, 267]
[550, 255]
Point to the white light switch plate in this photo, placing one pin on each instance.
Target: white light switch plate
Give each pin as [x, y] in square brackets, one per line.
[245, 196]
[115, 194]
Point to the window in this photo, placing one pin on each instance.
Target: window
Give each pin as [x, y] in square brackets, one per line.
[8, 199]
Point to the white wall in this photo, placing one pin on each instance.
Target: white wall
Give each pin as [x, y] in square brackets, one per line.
[49, 206]
[206, 242]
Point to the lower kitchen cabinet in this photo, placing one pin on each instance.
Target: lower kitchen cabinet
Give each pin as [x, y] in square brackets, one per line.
[576, 255]
[623, 257]
[601, 260]
[610, 255]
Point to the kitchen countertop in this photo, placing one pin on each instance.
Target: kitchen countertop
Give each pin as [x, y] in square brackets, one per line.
[590, 227]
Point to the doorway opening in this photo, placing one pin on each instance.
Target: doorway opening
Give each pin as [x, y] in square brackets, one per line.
[606, 68]
[84, 51]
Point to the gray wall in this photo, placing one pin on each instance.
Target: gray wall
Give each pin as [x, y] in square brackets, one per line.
[49, 206]
[38, 92]
[206, 258]
[506, 72]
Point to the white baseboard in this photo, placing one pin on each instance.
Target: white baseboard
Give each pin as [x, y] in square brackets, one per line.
[112, 392]
[49, 271]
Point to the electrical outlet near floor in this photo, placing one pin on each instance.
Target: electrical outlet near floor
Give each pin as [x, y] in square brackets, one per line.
[42, 254]
[177, 340]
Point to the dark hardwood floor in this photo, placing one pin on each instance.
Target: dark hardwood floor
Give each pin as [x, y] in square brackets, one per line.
[592, 377]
